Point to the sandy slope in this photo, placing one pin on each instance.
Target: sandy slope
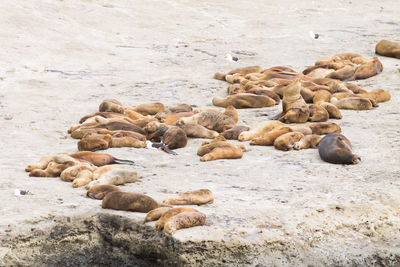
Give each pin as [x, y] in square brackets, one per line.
[60, 59]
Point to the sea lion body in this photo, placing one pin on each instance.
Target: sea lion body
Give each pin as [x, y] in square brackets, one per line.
[333, 111]
[286, 141]
[195, 197]
[270, 137]
[149, 108]
[156, 214]
[308, 141]
[388, 48]
[244, 100]
[321, 128]
[318, 113]
[174, 138]
[171, 213]
[322, 96]
[336, 148]
[116, 176]
[111, 105]
[184, 220]
[129, 201]
[223, 153]
[353, 103]
[197, 131]
[294, 108]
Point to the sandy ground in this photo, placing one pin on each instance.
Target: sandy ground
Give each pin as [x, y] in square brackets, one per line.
[60, 59]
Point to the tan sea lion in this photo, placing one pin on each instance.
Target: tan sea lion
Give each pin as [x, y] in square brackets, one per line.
[333, 111]
[115, 176]
[223, 153]
[171, 118]
[336, 148]
[195, 197]
[269, 138]
[181, 108]
[94, 142]
[232, 112]
[244, 101]
[281, 73]
[156, 214]
[233, 133]
[353, 103]
[317, 73]
[259, 129]
[153, 126]
[196, 130]
[184, 220]
[129, 201]
[219, 76]
[169, 214]
[100, 191]
[234, 78]
[321, 128]
[317, 113]
[99, 159]
[344, 73]
[368, 69]
[111, 105]
[266, 92]
[307, 94]
[304, 129]
[149, 108]
[216, 121]
[53, 169]
[322, 96]
[122, 133]
[126, 141]
[81, 171]
[245, 70]
[286, 141]
[235, 88]
[388, 49]
[81, 132]
[355, 88]
[106, 115]
[308, 141]
[378, 95]
[220, 141]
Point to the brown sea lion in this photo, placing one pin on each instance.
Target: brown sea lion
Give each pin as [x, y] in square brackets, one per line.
[308, 141]
[122, 133]
[184, 220]
[269, 138]
[156, 214]
[266, 92]
[353, 103]
[220, 141]
[245, 70]
[99, 159]
[286, 141]
[232, 112]
[153, 126]
[378, 95]
[388, 49]
[344, 73]
[111, 105]
[322, 96]
[219, 76]
[317, 113]
[244, 101]
[294, 108]
[94, 142]
[129, 201]
[126, 141]
[53, 169]
[321, 128]
[368, 69]
[318, 72]
[234, 78]
[223, 153]
[281, 73]
[149, 108]
[196, 130]
[114, 126]
[134, 115]
[100, 191]
[174, 138]
[235, 88]
[195, 197]
[169, 214]
[333, 111]
[307, 94]
[216, 121]
[259, 129]
[233, 133]
[106, 115]
[336, 148]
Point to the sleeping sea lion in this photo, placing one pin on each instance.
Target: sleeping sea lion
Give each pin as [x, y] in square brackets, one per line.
[322, 96]
[115, 176]
[233, 133]
[308, 141]
[269, 138]
[111, 105]
[216, 121]
[129, 201]
[368, 69]
[195, 197]
[333, 111]
[259, 129]
[244, 100]
[317, 113]
[353, 103]
[156, 214]
[286, 141]
[196, 130]
[149, 108]
[388, 49]
[321, 128]
[336, 148]
[99, 159]
[223, 153]
[100, 191]
[184, 220]
[169, 214]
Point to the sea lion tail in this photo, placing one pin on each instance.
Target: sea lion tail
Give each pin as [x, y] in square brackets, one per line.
[123, 161]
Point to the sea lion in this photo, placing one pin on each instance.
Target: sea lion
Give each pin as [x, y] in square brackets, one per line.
[52, 166]
[149, 108]
[116, 125]
[77, 171]
[126, 141]
[388, 49]
[195, 197]
[294, 108]
[153, 126]
[317, 73]
[235, 88]
[171, 118]
[353, 103]
[308, 141]
[99, 159]
[111, 105]
[174, 138]
[368, 69]
[100, 191]
[107, 115]
[94, 142]
[266, 92]
[244, 101]
[81, 132]
[269, 138]
[116, 176]
[336, 148]
[321, 128]
[259, 129]
[286, 141]
[196, 130]
[219, 76]
[234, 78]
[216, 121]
[281, 73]
[344, 73]
[181, 108]
[245, 70]
[333, 111]
[322, 96]
[307, 94]
[129, 201]
[233, 133]
[223, 153]
[169, 214]
[232, 112]
[317, 113]
[184, 220]
[378, 95]
[304, 129]
[156, 214]
[122, 133]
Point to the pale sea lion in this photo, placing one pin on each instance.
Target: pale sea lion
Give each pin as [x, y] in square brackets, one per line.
[77, 171]
[353, 103]
[184, 220]
[378, 95]
[266, 92]
[355, 88]
[388, 48]
[156, 214]
[269, 138]
[111, 105]
[235, 88]
[195, 197]
[107, 115]
[223, 153]
[336, 148]
[100, 191]
[244, 101]
[308, 141]
[129, 201]
[246, 70]
[286, 141]
[344, 73]
[304, 129]
[259, 129]
[116, 176]
[232, 112]
[169, 214]
[368, 69]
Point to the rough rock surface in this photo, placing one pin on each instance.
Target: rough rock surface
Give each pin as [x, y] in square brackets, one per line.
[60, 59]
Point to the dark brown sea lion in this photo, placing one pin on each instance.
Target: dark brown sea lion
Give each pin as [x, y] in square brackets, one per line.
[195, 197]
[129, 201]
[336, 148]
[100, 191]
[111, 105]
[174, 138]
[388, 49]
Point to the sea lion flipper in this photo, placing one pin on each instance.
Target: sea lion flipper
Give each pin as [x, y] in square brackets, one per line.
[169, 151]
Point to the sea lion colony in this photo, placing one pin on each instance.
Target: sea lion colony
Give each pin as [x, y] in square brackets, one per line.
[314, 96]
